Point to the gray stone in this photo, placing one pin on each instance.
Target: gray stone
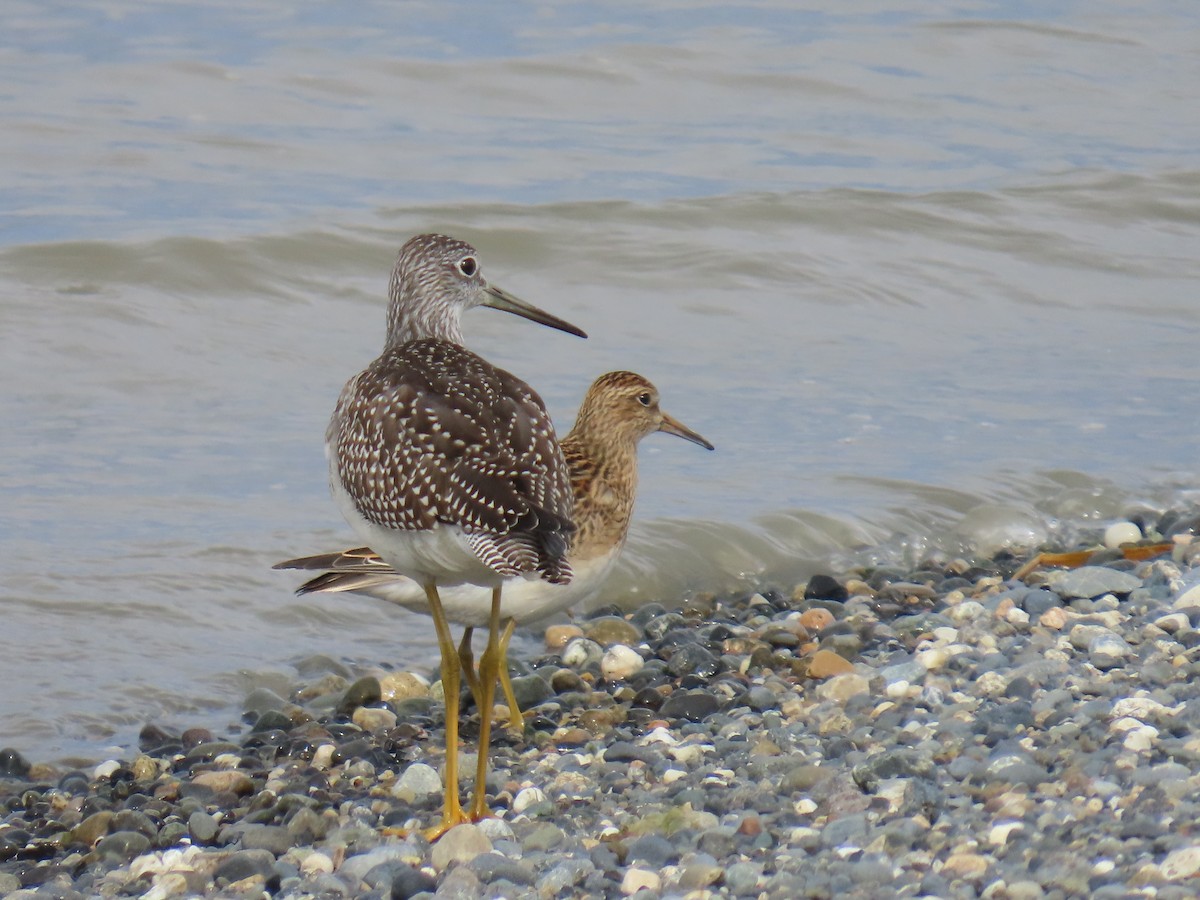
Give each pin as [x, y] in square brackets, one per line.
[416, 782]
[531, 690]
[564, 876]
[460, 844]
[582, 652]
[262, 699]
[1107, 651]
[653, 850]
[244, 864]
[491, 867]
[307, 826]
[545, 836]
[272, 838]
[849, 829]
[202, 827]
[408, 882]
[1092, 581]
[460, 883]
[356, 868]
[690, 705]
[743, 879]
[122, 845]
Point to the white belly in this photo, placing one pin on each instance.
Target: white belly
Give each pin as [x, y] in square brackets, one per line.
[523, 599]
[440, 555]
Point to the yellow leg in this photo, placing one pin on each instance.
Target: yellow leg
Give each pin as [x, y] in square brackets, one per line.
[466, 659]
[489, 666]
[516, 721]
[452, 811]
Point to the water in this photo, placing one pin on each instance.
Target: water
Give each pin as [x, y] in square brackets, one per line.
[897, 266]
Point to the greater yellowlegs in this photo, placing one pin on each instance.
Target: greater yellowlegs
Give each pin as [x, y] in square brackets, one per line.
[447, 465]
[620, 409]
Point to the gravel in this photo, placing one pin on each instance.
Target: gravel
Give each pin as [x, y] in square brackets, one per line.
[936, 730]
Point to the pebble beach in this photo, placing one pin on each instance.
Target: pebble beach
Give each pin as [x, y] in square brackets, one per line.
[937, 730]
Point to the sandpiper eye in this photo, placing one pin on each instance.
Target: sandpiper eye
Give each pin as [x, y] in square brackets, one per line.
[644, 399]
[468, 266]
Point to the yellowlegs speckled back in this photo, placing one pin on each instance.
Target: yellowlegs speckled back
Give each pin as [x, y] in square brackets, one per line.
[448, 466]
[620, 409]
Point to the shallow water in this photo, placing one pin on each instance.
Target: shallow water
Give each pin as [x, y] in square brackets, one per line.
[895, 266]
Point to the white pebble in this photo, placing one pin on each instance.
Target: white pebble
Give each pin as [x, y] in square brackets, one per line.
[689, 754]
[933, 658]
[169, 884]
[526, 798]
[1016, 616]
[620, 662]
[1143, 708]
[945, 634]
[105, 769]
[1119, 533]
[146, 864]
[323, 756]
[1141, 739]
[999, 833]
[1173, 622]
[316, 864]
[580, 652]
[965, 611]
[496, 829]
[991, 684]
[1182, 863]
[417, 780]
[640, 879]
[897, 689]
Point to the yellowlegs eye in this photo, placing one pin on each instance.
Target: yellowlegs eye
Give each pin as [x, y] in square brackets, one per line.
[468, 266]
[644, 399]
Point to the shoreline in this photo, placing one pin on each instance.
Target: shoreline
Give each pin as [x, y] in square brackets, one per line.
[941, 730]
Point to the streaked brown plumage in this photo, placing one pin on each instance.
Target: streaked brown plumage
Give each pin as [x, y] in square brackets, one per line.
[448, 465]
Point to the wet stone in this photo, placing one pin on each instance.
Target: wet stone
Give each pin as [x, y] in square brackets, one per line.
[492, 867]
[407, 882]
[245, 864]
[653, 850]
[693, 706]
[1107, 651]
[209, 750]
[152, 738]
[692, 659]
[460, 844]
[581, 653]
[609, 630]
[656, 629]
[122, 845]
[202, 827]
[824, 587]
[272, 720]
[624, 751]
[362, 692]
[1093, 581]
[13, 764]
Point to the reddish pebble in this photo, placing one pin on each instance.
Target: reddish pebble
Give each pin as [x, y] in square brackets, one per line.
[558, 636]
[816, 618]
[826, 664]
[751, 826]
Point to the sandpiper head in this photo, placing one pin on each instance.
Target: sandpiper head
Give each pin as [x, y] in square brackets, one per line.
[625, 405]
[435, 280]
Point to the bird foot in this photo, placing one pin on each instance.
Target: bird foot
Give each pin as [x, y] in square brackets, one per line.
[447, 822]
[434, 832]
[480, 811]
